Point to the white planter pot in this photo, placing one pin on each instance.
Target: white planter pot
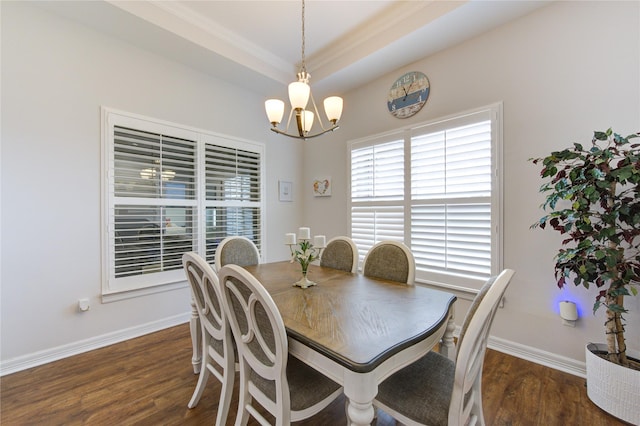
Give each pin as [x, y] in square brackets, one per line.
[613, 388]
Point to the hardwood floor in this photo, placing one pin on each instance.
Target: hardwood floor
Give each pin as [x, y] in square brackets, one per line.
[149, 380]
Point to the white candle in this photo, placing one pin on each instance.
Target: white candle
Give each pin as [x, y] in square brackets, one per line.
[304, 233]
[290, 238]
[319, 241]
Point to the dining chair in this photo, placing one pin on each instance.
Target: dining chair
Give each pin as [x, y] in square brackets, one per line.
[217, 348]
[390, 260]
[237, 250]
[437, 391]
[286, 387]
[340, 253]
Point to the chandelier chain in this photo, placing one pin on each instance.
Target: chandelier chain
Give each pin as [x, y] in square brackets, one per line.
[303, 66]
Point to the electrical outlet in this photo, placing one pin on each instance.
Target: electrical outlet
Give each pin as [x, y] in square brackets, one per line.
[83, 305]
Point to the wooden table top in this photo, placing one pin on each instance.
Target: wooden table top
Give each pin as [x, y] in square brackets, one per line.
[356, 321]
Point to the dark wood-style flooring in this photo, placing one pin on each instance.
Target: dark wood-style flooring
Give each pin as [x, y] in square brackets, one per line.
[149, 380]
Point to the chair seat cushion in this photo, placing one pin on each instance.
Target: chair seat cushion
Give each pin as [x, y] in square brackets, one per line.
[422, 390]
[310, 385]
[307, 386]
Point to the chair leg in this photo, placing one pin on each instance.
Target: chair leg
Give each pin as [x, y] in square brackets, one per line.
[244, 398]
[226, 392]
[202, 382]
[203, 378]
[196, 338]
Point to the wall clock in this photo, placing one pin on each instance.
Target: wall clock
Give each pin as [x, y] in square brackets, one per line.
[408, 94]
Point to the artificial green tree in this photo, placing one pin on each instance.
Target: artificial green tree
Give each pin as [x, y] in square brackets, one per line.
[593, 200]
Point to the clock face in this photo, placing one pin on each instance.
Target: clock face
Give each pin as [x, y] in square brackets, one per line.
[408, 94]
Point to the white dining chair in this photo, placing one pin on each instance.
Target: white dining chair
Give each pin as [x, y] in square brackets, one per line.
[340, 253]
[283, 385]
[437, 391]
[217, 347]
[238, 250]
[390, 260]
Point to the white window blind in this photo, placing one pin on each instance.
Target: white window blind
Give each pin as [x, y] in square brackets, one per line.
[169, 190]
[377, 193]
[437, 190]
[377, 172]
[451, 179]
[232, 196]
[154, 216]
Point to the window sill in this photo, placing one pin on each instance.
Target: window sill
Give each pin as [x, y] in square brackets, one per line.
[117, 295]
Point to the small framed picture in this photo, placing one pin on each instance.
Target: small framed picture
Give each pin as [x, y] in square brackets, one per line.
[322, 187]
[285, 190]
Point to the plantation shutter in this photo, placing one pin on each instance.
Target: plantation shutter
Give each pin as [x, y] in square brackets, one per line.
[451, 177]
[170, 189]
[232, 186]
[377, 193]
[154, 208]
[435, 187]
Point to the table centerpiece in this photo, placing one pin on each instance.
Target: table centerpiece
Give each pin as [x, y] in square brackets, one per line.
[304, 252]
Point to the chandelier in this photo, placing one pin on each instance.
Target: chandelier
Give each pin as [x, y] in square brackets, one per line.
[299, 94]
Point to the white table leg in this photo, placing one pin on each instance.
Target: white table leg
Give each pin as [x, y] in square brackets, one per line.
[360, 390]
[196, 337]
[448, 347]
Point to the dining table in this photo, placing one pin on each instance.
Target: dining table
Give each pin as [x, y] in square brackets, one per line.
[355, 329]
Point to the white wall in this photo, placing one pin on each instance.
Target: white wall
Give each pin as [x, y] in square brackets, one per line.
[562, 72]
[55, 76]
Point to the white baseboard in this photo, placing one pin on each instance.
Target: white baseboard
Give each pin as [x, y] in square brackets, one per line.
[43, 357]
[548, 359]
[518, 350]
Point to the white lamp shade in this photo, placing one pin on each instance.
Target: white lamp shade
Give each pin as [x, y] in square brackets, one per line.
[333, 108]
[307, 120]
[275, 110]
[299, 94]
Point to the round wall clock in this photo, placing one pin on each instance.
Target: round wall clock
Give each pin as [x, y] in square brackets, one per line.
[408, 94]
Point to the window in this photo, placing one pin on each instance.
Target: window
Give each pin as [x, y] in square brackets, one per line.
[232, 196]
[435, 187]
[169, 190]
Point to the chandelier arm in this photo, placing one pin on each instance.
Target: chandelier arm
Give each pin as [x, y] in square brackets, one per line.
[289, 120]
[280, 132]
[315, 107]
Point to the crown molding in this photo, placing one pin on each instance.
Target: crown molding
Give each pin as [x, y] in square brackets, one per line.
[181, 21]
[390, 25]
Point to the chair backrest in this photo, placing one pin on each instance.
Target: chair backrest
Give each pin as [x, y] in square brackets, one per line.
[390, 260]
[236, 250]
[340, 253]
[207, 294]
[260, 337]
[466, 398]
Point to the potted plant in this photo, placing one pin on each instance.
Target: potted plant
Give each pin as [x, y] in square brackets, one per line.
[593, 199]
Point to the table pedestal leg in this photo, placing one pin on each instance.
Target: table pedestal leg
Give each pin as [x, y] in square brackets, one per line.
[196, 337]
[448, 346]
[360, 390]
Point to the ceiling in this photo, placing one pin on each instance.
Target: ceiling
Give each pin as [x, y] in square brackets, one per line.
[257, 43]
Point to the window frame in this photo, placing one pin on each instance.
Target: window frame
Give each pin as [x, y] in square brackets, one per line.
[462, 285]
[114, 289]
